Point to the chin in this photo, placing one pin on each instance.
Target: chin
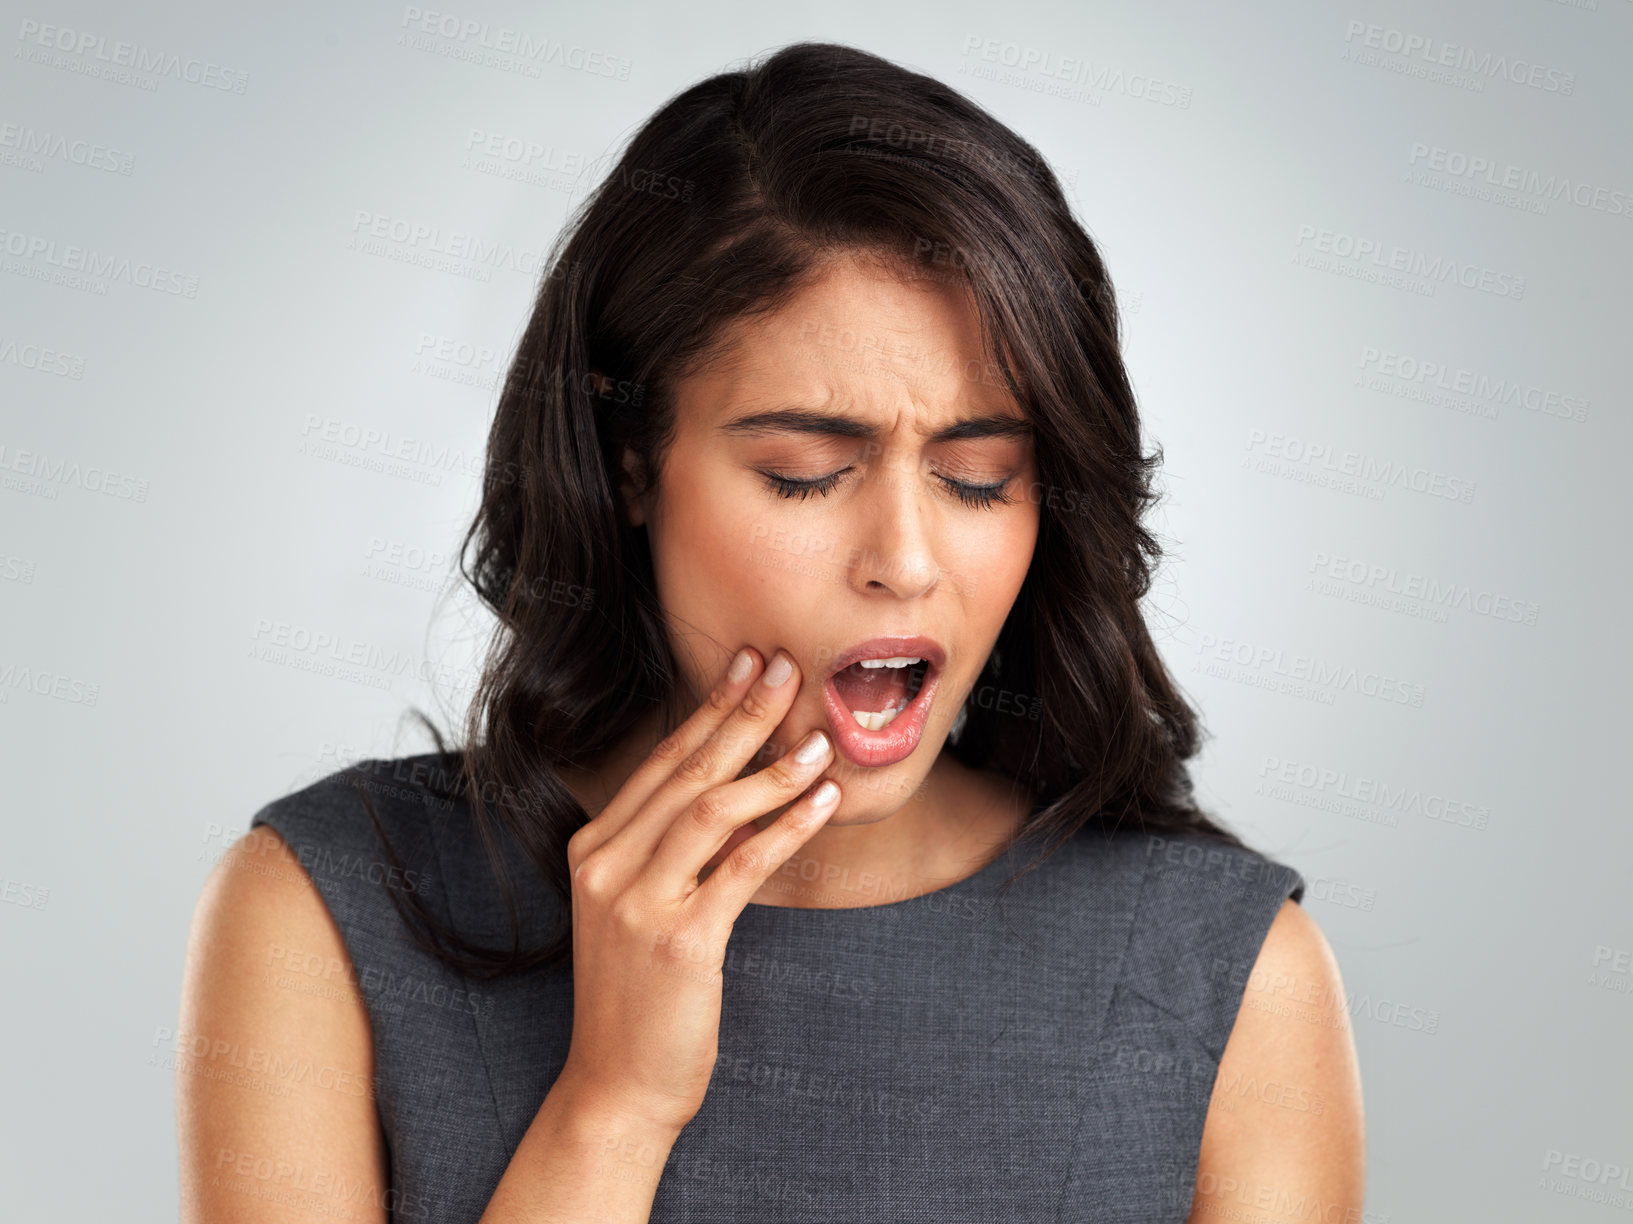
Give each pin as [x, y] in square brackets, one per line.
[870, 795]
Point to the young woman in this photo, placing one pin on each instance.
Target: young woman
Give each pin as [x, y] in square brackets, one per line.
[822, 846]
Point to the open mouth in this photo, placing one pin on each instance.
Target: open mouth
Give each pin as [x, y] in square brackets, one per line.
[875, 691]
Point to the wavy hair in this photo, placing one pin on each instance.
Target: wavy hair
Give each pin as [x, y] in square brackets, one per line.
[732, 197]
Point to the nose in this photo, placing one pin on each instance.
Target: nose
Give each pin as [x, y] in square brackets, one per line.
[893, 536]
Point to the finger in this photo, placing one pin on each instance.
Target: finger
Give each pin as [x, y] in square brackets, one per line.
[677, 746]
[718, 759]
[710, 822]
[743, 872]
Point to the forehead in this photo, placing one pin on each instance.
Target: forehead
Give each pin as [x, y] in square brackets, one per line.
[859, 341]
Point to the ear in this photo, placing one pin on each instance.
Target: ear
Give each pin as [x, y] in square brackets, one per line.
[598, 384]
[631, 480]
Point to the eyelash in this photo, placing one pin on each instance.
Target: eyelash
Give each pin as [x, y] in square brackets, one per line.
[977, 497]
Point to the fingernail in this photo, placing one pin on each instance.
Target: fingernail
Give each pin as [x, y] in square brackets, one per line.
[781, 668]
[813, 749]
[740, 667]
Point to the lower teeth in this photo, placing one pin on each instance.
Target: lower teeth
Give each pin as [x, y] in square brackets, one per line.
[877, 721]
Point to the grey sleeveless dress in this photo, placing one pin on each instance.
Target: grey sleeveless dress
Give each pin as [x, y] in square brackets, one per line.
[1045, 1054]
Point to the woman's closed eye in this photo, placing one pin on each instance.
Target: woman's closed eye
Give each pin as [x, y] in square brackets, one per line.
[977, 496]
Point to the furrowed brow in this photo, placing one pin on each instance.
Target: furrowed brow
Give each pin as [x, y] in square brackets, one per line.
[812, 421]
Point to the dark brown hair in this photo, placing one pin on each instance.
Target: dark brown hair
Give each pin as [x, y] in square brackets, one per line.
[734, 195]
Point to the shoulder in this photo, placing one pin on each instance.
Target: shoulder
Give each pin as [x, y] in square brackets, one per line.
[314, 860]
[1195, 863]
[371, 822]
[258, 878]
[1204, 912]
[255, 909]
[266, 992]
[392, 834]
[396, 789]
[1292, 999]
[1286, 1109]
[311, 895]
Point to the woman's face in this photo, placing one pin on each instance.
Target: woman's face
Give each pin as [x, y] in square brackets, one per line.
[912, 538]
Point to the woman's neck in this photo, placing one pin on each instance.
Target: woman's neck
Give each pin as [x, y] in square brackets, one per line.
[951, 826]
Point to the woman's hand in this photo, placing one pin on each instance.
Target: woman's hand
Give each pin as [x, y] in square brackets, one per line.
[648, 939]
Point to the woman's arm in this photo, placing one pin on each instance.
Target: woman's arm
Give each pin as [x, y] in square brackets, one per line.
[1285, 1136]
[260, 1139]
[274, 1078]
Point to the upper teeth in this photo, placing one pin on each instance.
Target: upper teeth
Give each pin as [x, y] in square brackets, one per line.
[896, 661]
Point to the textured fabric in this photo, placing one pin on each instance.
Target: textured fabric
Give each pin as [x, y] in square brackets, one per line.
[1042, 1054]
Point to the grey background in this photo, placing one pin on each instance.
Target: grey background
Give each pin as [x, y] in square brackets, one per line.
[1207, 148]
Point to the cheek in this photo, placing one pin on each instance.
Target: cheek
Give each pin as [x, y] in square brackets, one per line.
[992, 565]
[729, 566]
[775, 574]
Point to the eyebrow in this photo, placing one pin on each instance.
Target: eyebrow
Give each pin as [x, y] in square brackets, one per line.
[812, 421]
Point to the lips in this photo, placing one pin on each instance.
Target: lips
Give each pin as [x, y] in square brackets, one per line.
[896, 741]
[924, 648]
